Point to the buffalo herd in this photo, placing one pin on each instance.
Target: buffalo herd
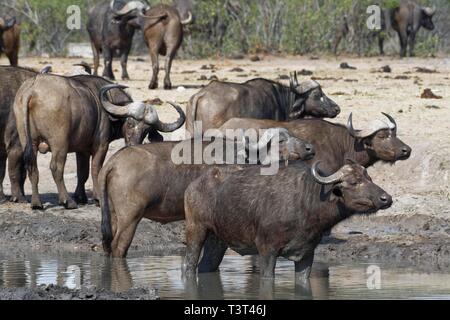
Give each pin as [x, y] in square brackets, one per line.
[226, 201]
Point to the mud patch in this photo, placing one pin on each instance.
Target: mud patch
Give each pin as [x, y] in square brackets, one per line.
[52, 292]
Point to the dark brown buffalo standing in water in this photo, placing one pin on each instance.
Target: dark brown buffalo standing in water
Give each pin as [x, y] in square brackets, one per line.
[143, 182]
[334, 144]
[63, 115]
[112, 29]
[10, 39]
[280, 215]
[259, 99]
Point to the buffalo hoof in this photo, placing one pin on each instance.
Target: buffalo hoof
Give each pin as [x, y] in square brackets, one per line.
[153, 86]
[3, 199]
[18, 199]
[167, 86]
[126, 77]
[37, 206]
[81, 199]
[70, 205]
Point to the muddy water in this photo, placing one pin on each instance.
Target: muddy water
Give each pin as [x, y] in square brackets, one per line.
[237, 279]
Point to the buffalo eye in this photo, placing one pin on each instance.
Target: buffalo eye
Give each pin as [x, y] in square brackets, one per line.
[382, 135]
[337, 192]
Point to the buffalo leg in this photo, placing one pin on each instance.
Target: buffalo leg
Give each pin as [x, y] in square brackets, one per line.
[196, 235]
[303, 267]
[381, 44]
[168, 68]
[155, 66]
[123, 236]
[83, 175]
[412, 43]
[213, 251]
[13, 59]
[17, 174]
[97, 163]
[33, 173]
[403, 43]
[96, 53]
[267, 263]
[108, 57]
[57, 167]
[337, 41]
[123, 63]
[2, 173]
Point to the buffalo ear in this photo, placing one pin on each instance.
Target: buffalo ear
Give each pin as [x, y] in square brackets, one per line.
[336, 193]
[367, 142]
[298, 109]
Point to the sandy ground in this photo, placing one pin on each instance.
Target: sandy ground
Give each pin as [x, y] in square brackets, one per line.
[415, 229]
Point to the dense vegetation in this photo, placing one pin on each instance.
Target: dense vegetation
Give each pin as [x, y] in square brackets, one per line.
[227, 27]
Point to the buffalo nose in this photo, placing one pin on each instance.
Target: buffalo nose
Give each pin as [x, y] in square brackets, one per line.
[338, 110]
[386, 200]
[406, 151]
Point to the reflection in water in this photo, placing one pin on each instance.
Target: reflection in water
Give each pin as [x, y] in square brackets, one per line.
[237, 280]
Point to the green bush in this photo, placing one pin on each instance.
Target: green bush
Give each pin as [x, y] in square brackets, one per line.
[228, 27]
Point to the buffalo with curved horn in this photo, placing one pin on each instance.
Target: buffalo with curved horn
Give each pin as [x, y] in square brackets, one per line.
[280, 215]
[76, 120]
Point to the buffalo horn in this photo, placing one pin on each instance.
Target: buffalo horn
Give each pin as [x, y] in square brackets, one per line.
[334, 178]
[188, 20]
[392, 120]
[118, 111]
[130, 6]
[429, 11]
[170, 127]
[85, 65]
[307, 86]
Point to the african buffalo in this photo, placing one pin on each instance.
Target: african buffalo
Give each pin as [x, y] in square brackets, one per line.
[10, 39]
[185, 9]
[280, 215]
[112, 29]
[10, 146]
[258, 99]
[407, 19]
[62, 115]
[143, 181]
[11, 78]
[334, 142]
